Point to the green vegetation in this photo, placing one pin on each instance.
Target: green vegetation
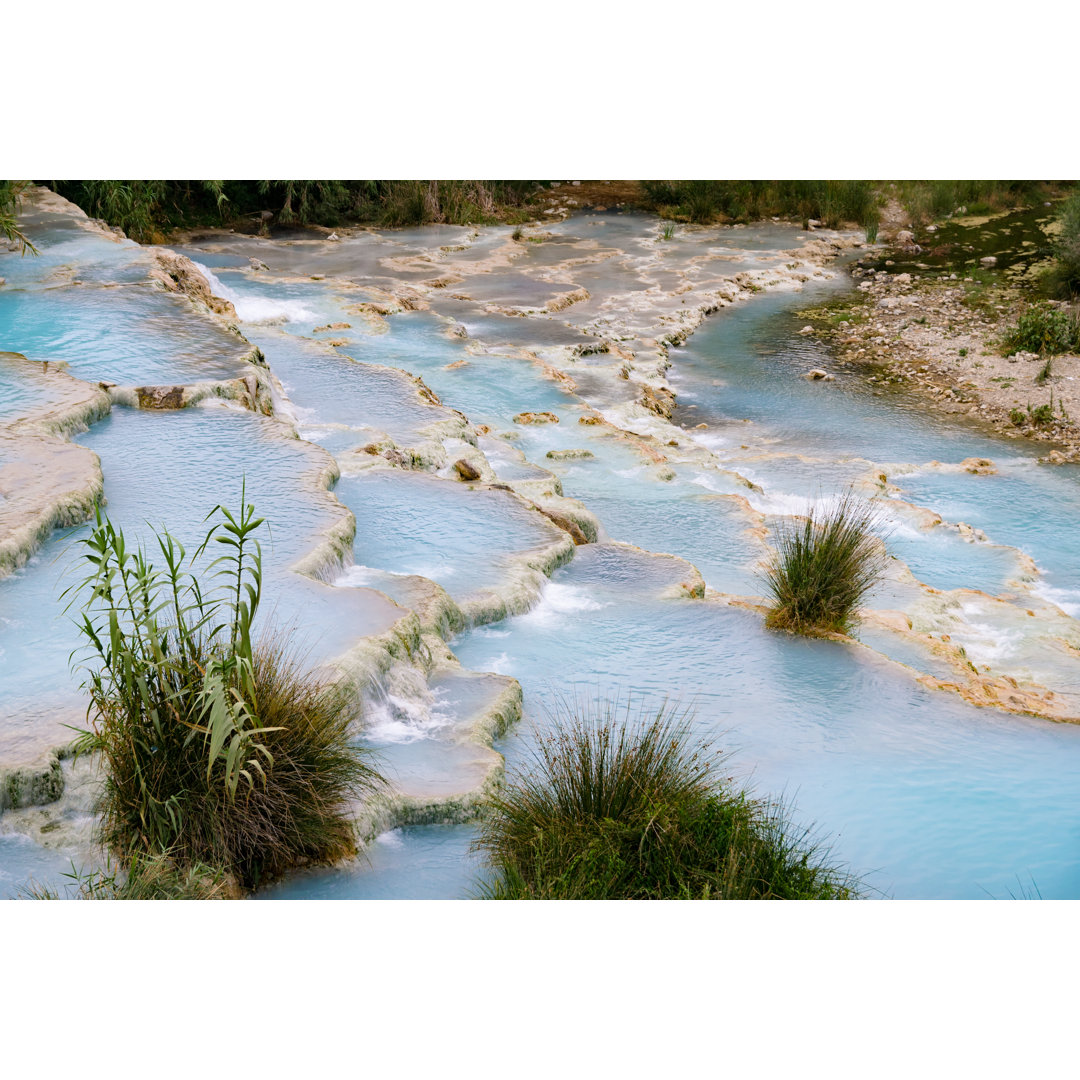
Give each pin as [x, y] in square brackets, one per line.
[10, 194]
[147, 877]
[1063, 279]
[929, 200]
[834, 202]
[622, 809]
[147, 209]
[1044, 328]
[822, 569]
[215, 751]
[1037, 415]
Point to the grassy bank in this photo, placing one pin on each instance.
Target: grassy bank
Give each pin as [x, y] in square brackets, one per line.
[617, 808]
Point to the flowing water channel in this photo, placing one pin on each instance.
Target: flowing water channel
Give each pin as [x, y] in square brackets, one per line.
[915, 752]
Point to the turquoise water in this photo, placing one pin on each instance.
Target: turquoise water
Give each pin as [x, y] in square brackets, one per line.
[131, 335]
[66, 251]
[1029, 506]
[410, 523]
[927, 796]
[425, 862]
[21, 390]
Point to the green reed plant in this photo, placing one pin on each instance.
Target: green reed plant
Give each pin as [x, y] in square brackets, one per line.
[822, 567]
[615, 807]
[214, 750]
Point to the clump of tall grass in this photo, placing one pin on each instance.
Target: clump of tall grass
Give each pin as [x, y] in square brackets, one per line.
[214, 750]
[618, 808]
[822, 568]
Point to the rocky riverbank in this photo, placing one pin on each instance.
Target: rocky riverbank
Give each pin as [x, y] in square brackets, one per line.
[938, 335]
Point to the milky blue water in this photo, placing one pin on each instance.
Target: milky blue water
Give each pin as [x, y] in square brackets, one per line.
[926, 795]
[464, 540]
[424, 862]
[131, 335]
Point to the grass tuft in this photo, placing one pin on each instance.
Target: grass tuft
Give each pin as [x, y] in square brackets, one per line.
[617, 808]
[823, 567]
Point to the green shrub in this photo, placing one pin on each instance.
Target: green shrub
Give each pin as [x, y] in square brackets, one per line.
[822, 568]
[1018, 417]
[1044, 329]
[1042, 414]
[214, 751]
[621, 809]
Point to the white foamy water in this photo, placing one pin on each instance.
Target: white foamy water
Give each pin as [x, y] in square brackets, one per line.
[558, 601]
[1068, 600]
[265, 310]
[397, 719]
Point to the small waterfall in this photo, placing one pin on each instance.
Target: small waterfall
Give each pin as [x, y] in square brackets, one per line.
[252, 308]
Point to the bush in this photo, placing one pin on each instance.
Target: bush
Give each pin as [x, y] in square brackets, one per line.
[214, 751]
[633, 810]
[1044, 329]
[822, 569]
